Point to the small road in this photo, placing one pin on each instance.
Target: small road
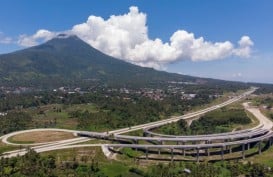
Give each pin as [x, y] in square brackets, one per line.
[186, 116]
[5, 137]
[46, 146]
[73, 143]
[267, 123]
[170, 120]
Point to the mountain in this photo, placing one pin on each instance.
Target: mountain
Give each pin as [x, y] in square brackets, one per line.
[67, 60]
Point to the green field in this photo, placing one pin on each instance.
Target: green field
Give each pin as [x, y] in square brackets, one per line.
[232, 117]
[6, 148]
[57, 115]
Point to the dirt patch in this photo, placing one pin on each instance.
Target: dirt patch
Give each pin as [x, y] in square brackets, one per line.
[41, 136]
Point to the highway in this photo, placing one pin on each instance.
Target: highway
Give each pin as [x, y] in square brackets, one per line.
[5, 137]
[187, 116]
[258, 134]
[150, 133]
[166, 121]
[170, 120]
[46, 147]
[196, 146]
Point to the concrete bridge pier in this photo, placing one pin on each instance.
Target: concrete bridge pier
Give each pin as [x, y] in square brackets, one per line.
[197, 155]
[230, 149]
[207, 142]
[144, 134]
[188, 121]
[135, 141]
[222, 152]
[243, 151]
[171, 154]
[146, 153]
[208, 152]
[260, 147]
[248, 146]
[270, 141]
[182, 151]
[226, 147]
[160, 142]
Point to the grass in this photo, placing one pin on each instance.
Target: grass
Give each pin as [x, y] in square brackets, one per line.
[97, 141]
[115, 169]
[254, 121]
[173, 127]
[40, 137]
[130, 152]
[6, 148]
[110, 168]
[83, 107]
[261, 101]
[58, 115]
[91, 153]
[264, 158]
[219, 100]
[135, 133]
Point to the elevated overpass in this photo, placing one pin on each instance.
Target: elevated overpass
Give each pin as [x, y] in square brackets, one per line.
[204, 145]
[243, 138]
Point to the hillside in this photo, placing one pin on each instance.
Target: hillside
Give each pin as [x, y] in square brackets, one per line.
[67, 60]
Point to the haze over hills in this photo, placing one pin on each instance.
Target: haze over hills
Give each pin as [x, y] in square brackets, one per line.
[68, 60]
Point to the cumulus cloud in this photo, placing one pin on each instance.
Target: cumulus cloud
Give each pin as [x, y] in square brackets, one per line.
[40, 36]
[244, 49]
[126, 37]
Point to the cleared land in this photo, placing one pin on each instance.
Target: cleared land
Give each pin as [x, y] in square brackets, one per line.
[41, 137]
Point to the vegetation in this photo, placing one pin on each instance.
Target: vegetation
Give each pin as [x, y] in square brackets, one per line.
[33, 164]
[99, 111]
[264, 89]
[14, 121]
[218, 121]
[265, 102]
[208, 169]
[72, 62]
[4, 148]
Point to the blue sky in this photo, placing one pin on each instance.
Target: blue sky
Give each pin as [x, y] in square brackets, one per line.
[225, 22]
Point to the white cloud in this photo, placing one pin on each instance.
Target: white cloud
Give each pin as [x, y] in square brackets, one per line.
[237, 75]
[244, 49]
[126, 37]
[197, 49]
[4, 39]
[40, 36]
